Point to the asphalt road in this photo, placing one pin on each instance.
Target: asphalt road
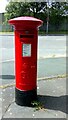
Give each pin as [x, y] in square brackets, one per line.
[46, 68]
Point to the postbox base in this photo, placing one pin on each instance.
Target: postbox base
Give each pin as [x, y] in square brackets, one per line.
[25, 98]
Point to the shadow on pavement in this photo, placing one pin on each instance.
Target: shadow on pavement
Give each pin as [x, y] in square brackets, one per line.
[55, 103]
[7, 76]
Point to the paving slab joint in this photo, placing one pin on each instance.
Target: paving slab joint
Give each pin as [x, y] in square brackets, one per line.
[7, 108]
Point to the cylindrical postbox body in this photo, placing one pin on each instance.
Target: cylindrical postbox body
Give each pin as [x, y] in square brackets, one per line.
[26, 39]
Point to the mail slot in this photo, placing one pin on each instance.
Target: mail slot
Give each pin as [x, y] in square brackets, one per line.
[26, 39]
[26, 36]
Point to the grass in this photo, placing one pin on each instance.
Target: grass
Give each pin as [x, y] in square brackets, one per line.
[42, 32]
[38, 105]
[6, 32]
[53, 32]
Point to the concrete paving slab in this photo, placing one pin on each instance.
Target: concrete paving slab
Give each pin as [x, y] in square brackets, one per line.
[16, 111]
[55, 87]
[51, 93]
[7, 98]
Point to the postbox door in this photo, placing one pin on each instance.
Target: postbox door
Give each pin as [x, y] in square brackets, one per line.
[28, 67]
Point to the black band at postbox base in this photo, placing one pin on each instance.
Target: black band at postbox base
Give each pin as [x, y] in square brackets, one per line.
[25, 98]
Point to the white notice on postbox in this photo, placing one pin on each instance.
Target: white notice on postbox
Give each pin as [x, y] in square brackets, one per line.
[26, 50]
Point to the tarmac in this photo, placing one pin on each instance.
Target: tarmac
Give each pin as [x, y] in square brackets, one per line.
[51, 94]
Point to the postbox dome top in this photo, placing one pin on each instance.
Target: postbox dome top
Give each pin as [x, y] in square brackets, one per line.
[25, 21]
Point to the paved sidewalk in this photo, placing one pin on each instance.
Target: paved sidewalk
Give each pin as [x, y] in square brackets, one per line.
[52, 95]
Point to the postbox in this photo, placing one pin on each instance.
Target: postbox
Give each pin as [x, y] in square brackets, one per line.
[26, 39]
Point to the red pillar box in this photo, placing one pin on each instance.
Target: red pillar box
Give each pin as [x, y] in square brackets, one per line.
[26, 36]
